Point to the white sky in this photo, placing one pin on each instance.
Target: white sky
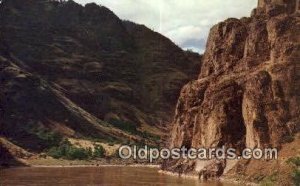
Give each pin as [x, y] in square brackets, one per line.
[185, 22]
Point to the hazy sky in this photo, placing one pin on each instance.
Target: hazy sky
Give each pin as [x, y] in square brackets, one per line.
[185, 22]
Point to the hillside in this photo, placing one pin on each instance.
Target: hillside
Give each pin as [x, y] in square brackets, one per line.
[81, 72]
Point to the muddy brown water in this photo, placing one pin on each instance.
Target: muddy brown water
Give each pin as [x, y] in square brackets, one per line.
[92, 176]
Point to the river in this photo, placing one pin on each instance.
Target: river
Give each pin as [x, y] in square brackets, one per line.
[106, 176]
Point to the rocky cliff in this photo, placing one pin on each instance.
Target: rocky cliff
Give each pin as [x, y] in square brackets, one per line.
[247, 93]
[82, 72]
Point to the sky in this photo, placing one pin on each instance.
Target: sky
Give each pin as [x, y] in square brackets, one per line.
[185, 22]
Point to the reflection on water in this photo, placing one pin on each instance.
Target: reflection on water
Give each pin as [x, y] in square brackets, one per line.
[108, 176]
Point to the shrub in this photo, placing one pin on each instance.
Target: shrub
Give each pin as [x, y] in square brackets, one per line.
[67, 151]
[61, 150]
[269, 180]
[46, 137]
[99, 151]
[70, 153]
[90, 151]
[55, 152]
[296, 177]
[77, 153]
[294, 161]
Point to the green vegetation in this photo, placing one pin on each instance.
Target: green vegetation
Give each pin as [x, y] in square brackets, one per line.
[50, 138]
[99, 151]
[150, 136]
[77, 153]
[124, 125]
[295, 162]
[296, 177]
[67, 151]
[45, 135]
[132, 129]
[269, 180]
[295, 174]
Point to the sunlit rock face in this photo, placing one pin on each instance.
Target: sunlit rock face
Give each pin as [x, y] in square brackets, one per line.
[247, 93]
[291, 6]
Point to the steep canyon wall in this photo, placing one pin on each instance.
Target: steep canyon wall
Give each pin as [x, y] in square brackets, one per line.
[247, 94]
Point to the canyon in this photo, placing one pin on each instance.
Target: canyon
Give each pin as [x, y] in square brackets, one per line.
[81, 72]
[84, 74]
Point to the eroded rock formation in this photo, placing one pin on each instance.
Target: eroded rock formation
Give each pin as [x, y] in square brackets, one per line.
[247, 94]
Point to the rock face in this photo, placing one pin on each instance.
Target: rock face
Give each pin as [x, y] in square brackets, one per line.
[247, 94]
[77, 69]
[290, 6]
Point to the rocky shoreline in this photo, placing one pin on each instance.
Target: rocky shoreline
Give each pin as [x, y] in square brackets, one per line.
[222, 179]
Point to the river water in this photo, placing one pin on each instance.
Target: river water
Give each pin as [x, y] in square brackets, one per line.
[106, 176]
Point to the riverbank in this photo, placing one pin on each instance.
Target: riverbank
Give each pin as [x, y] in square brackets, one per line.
[49, 162]
[222, 179]
[99, 165]
[52, 162]
[103, 175]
